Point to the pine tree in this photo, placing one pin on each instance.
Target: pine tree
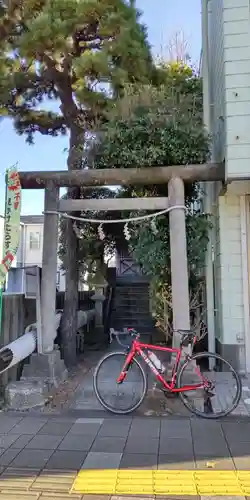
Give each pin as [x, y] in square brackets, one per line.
[75, 52]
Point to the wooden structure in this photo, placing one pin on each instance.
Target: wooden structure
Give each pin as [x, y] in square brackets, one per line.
[173, 175]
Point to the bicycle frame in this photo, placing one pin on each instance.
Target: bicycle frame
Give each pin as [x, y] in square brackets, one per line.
[138, 348]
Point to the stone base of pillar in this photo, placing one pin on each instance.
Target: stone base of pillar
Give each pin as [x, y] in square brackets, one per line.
[42, 373]
[46, 368]
[25, 395]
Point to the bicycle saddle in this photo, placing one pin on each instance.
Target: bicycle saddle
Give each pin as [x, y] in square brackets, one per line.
[185, 332]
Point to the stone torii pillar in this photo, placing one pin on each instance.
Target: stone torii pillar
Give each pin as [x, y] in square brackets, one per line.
[49, 268]
[47, 367]
[179, 265]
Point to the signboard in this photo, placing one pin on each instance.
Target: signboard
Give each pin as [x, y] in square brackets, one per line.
[11, 227]
[12, 222]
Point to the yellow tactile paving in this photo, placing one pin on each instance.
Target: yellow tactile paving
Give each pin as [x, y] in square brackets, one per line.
[162, 482]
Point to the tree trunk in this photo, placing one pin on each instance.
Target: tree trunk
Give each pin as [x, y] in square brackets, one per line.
[69, 318]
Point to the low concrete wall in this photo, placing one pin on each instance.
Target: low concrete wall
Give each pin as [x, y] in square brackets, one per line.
[13, 325]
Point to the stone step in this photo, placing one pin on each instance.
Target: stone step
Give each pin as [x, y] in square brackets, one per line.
[131, 292]
[119, 325]
[135, 310]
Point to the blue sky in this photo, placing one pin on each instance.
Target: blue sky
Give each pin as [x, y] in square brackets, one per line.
[163, 18]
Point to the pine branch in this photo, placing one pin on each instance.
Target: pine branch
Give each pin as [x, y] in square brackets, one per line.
[46, 123]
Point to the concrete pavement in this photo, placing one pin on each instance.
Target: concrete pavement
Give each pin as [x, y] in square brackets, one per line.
[61, 457]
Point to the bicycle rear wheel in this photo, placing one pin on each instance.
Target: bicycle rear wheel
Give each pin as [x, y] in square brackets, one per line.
[225, 392]
[119, 398]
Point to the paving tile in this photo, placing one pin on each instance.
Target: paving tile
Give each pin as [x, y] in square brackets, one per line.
[138, 461]
[209, 448]
[176, 428]
[29, 425]
[44, 442]
[209, 430]
[8, 456]
[235, 432]
[149, 427]
[57, 419]
[21, 441]
[242, 463]
[239, 449]
[98, 421]
[17, 479]
[6, 440]
[127, 497]
[175, 446]
[68, 460]
[144, 445]
[144, 433]
[54, 481]
[64, 496]
[183, 497]
[175, 433]
[31, 458]
[95, 460]
[211, 454]
[99, 497]
[7, 423]
[79, 429]
[76, 443]
[19, 472]
[210, 440]
[11, 495]
[114, 428]
[56, 428]
[176, 462]
[214, 463]
[222, 498]
[109, 445]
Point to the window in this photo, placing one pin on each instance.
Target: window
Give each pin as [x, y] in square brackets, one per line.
[58, 278]
[34, 240]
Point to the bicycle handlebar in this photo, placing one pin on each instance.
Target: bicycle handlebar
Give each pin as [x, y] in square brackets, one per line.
[133, 333]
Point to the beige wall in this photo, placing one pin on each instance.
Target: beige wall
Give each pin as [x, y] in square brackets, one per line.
[31, 255]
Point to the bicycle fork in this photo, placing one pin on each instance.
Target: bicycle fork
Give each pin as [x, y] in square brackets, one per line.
[125, 368]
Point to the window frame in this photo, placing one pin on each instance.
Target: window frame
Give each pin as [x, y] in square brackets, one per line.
[32, 241]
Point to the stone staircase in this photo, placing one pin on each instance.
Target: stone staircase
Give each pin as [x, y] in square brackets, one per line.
[130, 307]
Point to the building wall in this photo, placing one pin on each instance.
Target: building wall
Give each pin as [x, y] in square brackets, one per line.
[236, 26]
[216, 77]
[227, 116]
[230, 281]
[27, 256]
[229, 83]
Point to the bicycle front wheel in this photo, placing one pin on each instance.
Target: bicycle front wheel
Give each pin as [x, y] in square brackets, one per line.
[119, 398]
[224, 391]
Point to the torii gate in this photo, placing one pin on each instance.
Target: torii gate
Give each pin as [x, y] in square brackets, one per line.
[175, 176]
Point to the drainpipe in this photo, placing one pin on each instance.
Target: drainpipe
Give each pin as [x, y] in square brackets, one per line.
[208, 186]
[22, 241]
[244, 343]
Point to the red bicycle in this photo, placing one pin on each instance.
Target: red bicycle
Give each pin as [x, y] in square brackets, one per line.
[119, 376]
